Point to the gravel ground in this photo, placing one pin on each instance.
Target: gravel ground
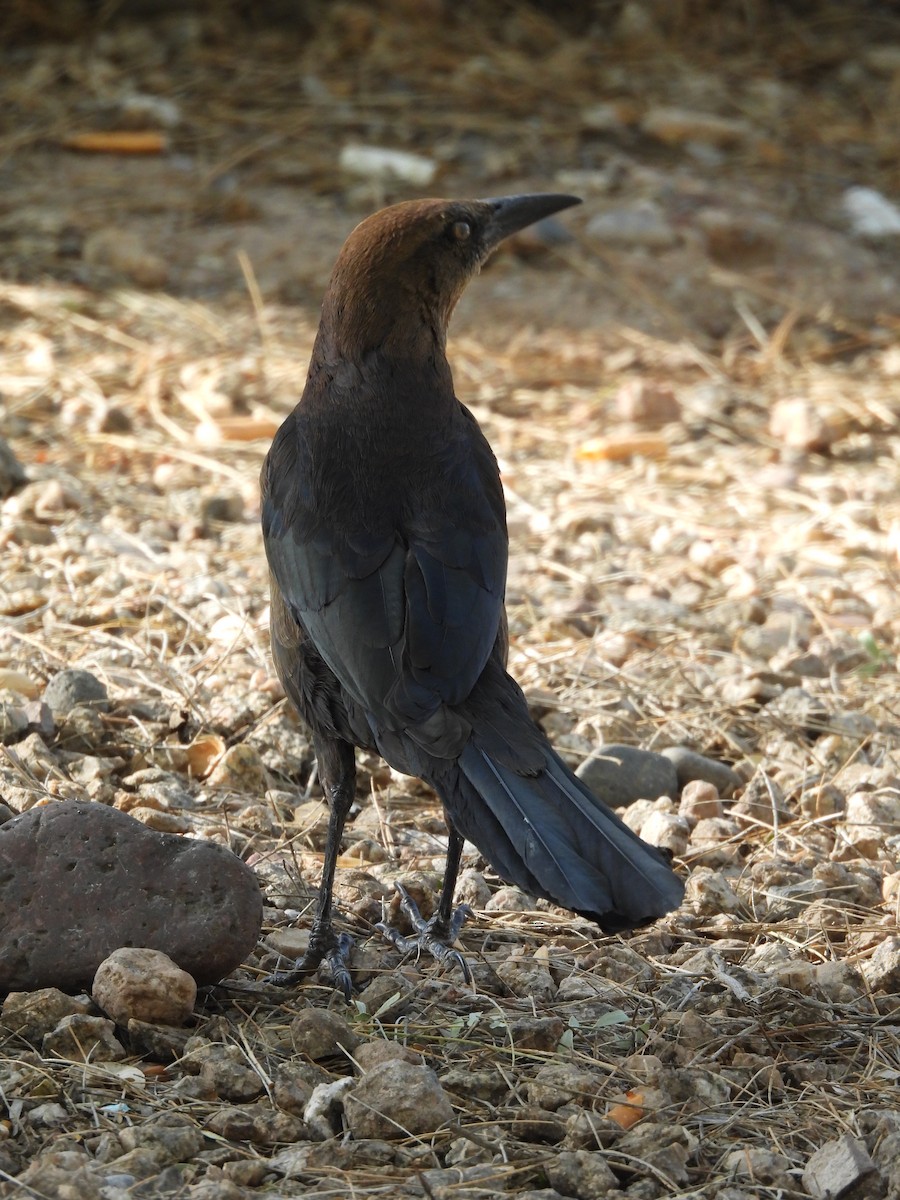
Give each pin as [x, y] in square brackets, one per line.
[693, 387]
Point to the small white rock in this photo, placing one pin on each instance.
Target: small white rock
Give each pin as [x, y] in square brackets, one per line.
[144, 984]
[870, 214]
[377, 162]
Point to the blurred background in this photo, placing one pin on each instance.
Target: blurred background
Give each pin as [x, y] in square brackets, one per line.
[718, 146]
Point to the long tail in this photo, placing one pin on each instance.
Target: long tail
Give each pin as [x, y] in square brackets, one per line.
[548, 834]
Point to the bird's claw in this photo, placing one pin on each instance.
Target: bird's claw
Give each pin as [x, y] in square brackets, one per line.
[429, 936]
[328, 947]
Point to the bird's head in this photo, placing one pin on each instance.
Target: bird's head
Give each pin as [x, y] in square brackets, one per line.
[402, 270]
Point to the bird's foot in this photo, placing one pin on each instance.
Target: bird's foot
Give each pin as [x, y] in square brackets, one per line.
[434, 937]
[324, 946]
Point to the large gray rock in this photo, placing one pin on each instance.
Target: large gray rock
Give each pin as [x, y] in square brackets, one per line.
[79, 880]
[620, 775]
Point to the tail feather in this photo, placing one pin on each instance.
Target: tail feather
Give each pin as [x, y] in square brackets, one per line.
[551, 836]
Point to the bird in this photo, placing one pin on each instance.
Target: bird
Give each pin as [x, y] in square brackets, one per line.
[384, 526]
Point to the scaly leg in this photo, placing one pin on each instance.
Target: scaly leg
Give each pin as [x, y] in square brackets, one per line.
[337, 769]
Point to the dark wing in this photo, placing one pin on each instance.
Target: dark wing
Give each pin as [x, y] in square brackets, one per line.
[403, 600]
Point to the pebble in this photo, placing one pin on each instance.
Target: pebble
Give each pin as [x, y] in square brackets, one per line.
[668, 831]
[377, 162]
[73, 688]
[870, 818]
[647, 402]
[223, 1069]
[121, 252]
[510, 899]
[31, 1015]
[395, 1100]
[690, 766]
[241, 770]
[136, 982]
[761, 804]
[642, 224]
[882, 970]
[700, 801]
[708, 892]
[677, 126]
[870, 214]
[619, 775]
[528, 978]
[83, 1038]
[799, 424]
[79, 880]
[319, 1033]
[836, 1167]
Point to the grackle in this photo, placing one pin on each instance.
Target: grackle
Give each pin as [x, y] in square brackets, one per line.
[385, 532]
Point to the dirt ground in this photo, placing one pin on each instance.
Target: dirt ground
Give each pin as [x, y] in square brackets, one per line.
[692, 383]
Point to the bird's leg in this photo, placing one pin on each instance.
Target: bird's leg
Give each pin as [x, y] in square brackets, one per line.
[436, 936]
[337, 768]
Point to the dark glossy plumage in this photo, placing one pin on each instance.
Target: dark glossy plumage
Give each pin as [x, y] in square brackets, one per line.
[385, 531]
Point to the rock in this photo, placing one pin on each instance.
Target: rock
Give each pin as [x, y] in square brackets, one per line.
[116, 253]
[689, 766]
[323, 1112]
[319, 1033]
[648, 403]
[372, 1054]
[83, 1038]
[73, 688]
[582, 1174]
[668, 831]
[60, 1173]
[222, 1068]
[708, 892]
[162, 1043]
[395, 1100]
[472, 888]
[510, 899]
[619, 775]
[700, 802]
[12, 473]
[800, 425]
[528, 977]
[836, 1167]
[642, 224]
[678, 126]
[761, 805]
[79, 880]
[378, 163]
[556, 1084]
[33, 1014]
[136, 982]
[291, 942]
[387, 997]
[870, 214]
[882, 970]
[764, 1168]
[535, 1033]
[798, 710]
[488, 1084]
[240, 769]
[13, 722]
[870, 818]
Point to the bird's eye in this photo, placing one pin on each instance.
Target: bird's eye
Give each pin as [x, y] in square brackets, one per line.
[461, 230]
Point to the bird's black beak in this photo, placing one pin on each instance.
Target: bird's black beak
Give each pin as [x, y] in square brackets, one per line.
[509, 214]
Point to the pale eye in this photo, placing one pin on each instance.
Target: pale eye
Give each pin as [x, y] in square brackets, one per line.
[462, 231]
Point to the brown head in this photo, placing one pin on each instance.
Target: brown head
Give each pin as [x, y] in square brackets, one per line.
[401, 271]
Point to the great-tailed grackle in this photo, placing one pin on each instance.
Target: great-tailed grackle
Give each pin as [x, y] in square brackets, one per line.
[385, 531]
